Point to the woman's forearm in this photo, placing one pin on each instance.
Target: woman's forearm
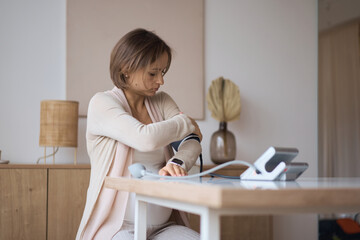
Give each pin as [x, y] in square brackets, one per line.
[106, 118]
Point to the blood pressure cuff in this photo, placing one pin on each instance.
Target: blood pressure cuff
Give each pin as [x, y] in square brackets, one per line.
[186, 150]
[176, 145]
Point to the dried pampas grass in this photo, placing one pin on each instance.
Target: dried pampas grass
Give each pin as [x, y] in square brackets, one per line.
[223, 100]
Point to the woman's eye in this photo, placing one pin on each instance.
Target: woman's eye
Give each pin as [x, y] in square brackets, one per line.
[152, 74]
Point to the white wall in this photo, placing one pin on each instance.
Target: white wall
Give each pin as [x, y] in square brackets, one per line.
[267, 47]
[32, 68]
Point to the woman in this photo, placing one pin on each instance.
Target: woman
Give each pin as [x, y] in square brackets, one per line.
[133, 123]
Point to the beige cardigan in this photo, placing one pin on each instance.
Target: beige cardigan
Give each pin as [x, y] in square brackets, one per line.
[112, 134]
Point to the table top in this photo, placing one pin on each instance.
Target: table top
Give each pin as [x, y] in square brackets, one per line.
[316, 195]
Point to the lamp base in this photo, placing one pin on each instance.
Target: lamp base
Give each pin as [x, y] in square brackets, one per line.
[53, 155]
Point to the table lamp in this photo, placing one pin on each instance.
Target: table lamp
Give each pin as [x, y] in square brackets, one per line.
[58, 125]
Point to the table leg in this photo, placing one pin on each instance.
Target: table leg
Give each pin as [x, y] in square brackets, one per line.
[140, 219]
[210, 225]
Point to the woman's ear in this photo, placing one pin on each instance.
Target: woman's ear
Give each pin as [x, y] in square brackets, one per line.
[124, 77]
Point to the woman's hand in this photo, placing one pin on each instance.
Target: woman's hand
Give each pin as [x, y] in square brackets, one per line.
[197, 129]
[172, 170]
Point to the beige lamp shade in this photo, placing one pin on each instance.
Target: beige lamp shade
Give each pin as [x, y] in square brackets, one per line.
[59, 123]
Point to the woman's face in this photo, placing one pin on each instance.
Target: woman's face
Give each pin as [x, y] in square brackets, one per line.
[146, 82]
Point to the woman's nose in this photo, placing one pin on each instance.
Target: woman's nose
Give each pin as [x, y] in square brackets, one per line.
[160, 80]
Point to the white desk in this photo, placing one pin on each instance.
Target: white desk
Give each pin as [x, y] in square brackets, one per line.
[211, 198]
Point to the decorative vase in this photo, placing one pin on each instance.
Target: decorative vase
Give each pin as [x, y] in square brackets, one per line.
[222, 145]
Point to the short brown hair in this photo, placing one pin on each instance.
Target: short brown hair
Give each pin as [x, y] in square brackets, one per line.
[134, 51]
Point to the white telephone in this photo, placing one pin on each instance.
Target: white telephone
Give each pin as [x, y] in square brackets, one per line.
[275, 165]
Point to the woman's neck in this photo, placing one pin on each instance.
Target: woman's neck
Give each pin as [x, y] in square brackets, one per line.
[138, 108]
[136, 101]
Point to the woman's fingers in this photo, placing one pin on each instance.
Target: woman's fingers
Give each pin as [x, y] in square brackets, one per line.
[172, 170]
[164, 172]
[179, 171]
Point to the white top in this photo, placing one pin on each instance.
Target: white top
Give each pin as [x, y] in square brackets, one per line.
[153, 161]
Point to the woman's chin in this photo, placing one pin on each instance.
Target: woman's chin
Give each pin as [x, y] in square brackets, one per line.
[152, 93]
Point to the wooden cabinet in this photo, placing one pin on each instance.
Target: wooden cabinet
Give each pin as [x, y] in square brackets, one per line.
[239, 227]
[42, 201]
[47, 201]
